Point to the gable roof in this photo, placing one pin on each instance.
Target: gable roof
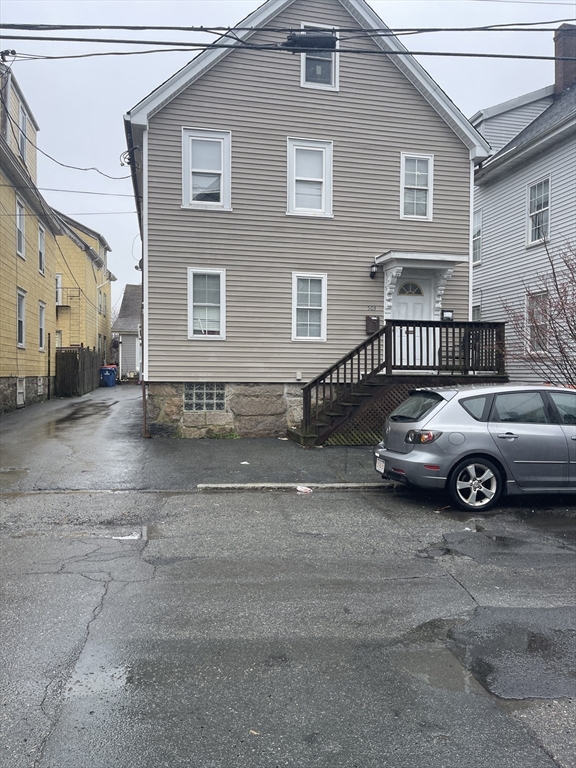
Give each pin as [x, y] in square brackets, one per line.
[515, 103]
[551, 126]
[129, 316]
[367, 19]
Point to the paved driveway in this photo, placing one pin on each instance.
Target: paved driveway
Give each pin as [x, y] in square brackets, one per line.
[158, 626]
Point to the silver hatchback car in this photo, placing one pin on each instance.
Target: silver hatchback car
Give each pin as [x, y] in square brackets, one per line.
[479, 443]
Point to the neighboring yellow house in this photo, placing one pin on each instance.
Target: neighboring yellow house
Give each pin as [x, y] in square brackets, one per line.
[83, 288]
[54, 280]
[28, 227]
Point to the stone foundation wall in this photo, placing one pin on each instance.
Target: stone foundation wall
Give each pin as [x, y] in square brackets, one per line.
[8, 392]
[250, 410]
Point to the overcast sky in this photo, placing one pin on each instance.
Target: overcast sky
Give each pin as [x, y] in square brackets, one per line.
[79, 103]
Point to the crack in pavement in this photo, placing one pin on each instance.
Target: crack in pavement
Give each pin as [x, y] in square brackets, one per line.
[52, 702]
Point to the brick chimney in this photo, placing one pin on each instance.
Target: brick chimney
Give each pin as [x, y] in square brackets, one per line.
[564, 45]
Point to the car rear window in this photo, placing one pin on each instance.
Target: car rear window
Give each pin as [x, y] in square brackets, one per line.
[416, 407]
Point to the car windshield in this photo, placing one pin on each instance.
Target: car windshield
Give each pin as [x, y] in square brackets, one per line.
[416, 406]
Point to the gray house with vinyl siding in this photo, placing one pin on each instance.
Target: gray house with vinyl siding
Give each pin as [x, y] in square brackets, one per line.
[525, 210]
[127, 330]
[290, 203]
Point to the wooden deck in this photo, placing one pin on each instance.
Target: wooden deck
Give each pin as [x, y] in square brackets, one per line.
[429, 353]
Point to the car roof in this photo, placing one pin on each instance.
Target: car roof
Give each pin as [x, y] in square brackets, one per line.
[469, 389]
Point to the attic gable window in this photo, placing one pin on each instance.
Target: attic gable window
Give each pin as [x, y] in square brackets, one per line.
[319, 68]
[206, 169]
[22, 124]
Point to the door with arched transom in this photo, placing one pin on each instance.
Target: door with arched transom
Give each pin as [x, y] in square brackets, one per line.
[412, 301]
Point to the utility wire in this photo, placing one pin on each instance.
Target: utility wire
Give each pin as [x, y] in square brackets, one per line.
[242, 45]
[75, 191]
[37, 148]
[278, 49]
[505, 27]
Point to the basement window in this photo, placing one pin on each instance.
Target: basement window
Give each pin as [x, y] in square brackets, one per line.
[204, 397]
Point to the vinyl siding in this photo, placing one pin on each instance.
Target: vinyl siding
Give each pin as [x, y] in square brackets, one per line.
[501, 129]
[376, 115]
[509, 268]
[128, 361]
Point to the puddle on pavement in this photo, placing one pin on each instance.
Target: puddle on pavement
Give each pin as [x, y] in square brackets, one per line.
[439, 668]
[79, 412]
[11, 475]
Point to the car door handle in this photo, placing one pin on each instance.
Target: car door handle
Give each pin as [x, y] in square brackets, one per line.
[508, 436]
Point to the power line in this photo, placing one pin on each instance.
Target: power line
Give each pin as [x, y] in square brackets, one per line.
[506, 27]
[278, 49]
[37, 148]
[74, 191]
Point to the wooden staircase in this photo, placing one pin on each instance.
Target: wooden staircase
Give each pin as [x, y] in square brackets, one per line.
[421, 353]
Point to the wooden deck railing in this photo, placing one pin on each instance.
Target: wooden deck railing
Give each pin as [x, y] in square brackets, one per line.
[407, 345]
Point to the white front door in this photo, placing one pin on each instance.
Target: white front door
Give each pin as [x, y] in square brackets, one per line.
[413, 301]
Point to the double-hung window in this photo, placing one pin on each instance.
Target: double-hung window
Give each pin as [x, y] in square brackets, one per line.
[319, 68]
[206, 174]
[537, 320]
[99, 302]
[206, 303]
[59, 297]
[20, 240]
[21, 318]
[477, 237]
[538, 211]
[309, 296]
[309, 177]
[22, 125]
[41, 250]
[416, 186]
[41, 325]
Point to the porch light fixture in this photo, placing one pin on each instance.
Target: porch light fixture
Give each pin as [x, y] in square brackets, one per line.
[373, 271]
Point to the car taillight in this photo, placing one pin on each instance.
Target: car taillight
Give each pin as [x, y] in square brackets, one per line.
[421, 436]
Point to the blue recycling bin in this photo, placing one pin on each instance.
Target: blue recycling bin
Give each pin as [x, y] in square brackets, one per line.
[108, 376]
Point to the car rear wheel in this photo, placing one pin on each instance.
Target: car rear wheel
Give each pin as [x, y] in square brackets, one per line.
[475, 484]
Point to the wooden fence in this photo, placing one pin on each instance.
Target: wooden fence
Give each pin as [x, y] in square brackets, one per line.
[77, 371]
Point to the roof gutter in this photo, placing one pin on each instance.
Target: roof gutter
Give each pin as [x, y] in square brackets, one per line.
[133, 170]
[513, 156]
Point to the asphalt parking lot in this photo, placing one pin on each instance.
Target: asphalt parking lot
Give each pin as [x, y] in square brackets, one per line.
[145, 622]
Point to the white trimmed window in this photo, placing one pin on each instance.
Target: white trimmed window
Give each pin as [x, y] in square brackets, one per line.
[59, 301]
[309, 295]
[537, 320]
[23, 126]
[99, 302]
[309, 177]
[538, 211]
[20, 228]
[21, 318]
[476, 313]
[41, 325]
[104, 304]
[206, 303]
[206, 172]
[477, 237]
[320, 68]
[416, 186]
[41, 250]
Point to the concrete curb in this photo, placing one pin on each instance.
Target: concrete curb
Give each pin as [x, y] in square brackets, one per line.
[219, 487]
